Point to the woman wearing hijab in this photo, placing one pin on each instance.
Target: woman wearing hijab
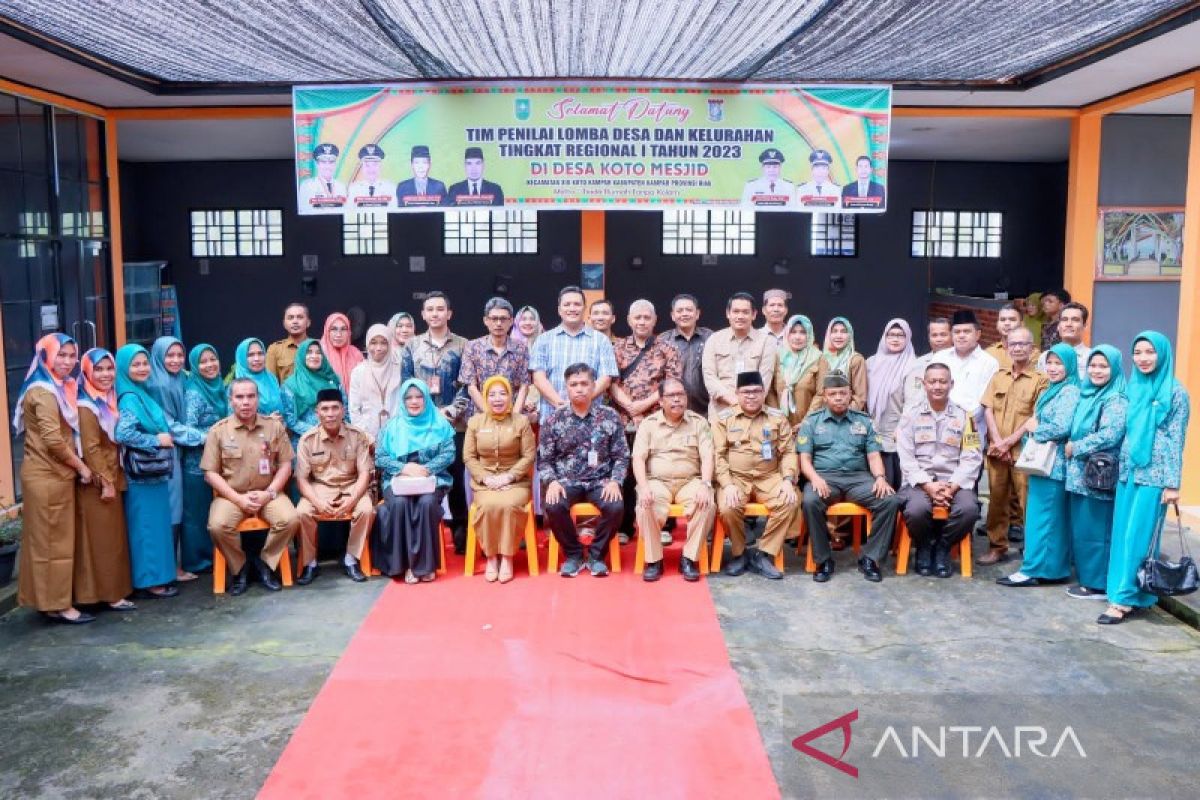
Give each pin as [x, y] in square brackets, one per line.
[401, 327]
[885, 389]
[798, 355]
[167, 383]
[1047, 533]
[250, 362]
[48, 414]
[416, 443]
[312, 374]
[1151, 470]
[1098, 427]
[527, 327]
[101, 547]
[839, 356]
[144, 424]
[205, 402]
[373, 383]
[342, 354]
[499, 452]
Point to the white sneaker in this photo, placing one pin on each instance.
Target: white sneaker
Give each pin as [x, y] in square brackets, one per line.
[666, 538]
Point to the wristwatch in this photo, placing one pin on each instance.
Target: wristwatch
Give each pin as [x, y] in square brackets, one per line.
[272, 492]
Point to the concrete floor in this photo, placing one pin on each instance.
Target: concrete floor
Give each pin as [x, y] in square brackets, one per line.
[196, 697]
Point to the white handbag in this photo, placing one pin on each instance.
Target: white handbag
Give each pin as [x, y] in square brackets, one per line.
[403, 485]
[1037, 458]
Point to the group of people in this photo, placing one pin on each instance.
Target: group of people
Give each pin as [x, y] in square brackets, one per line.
[134, 470]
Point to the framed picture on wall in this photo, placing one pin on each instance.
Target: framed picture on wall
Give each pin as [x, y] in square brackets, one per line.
[1140, 244]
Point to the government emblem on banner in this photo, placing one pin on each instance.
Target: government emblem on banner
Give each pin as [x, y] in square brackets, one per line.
[716, 110]
[522, 108]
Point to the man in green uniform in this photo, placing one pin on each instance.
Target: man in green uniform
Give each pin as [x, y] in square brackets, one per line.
[839, 455]
[756, 463]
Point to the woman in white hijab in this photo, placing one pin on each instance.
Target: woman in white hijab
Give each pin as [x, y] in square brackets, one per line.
[885, 389]
[374, 382]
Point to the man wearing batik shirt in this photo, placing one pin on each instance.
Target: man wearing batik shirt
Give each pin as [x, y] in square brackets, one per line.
[582, 458]
[495, 354]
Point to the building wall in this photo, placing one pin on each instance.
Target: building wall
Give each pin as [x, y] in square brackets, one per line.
[242, 297]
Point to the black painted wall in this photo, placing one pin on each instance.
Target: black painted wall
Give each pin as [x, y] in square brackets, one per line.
[241, 297]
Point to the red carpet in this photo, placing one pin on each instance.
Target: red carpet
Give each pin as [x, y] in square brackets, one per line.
[542, 688]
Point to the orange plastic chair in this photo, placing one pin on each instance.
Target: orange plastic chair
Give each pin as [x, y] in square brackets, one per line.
[585, 510]
[676, 511]
[219, 565]
[718, 548]
[860, 516]
[364, 563]
[473, 545]
[961, 550]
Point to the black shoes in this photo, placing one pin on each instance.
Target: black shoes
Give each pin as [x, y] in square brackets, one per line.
[941, 561]
[870, 569]
[735, 566]
[824, 571]
[689, 569]
[354, 572]
[240, 581]
[266, 575]
[83, 618]
[764, 564]
[1018, 580]
[308, 574]
[925, 560]
[460, 540]
[163, 593]
[653, 572]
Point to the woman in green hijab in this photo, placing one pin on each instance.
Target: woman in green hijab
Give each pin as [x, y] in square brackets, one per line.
[205, 403]
[299, 392]
[798, 355]
[839, 356]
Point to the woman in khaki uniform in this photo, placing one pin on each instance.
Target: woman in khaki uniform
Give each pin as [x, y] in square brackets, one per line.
[796, 359]
[48, 415]
[499, 452]
[839, 355]
[101, 547]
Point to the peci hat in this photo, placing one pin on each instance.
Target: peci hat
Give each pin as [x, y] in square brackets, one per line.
[964, 316]
[326, 152]
[329, 395]
[419, 151]
[474, 152]
[751, 378]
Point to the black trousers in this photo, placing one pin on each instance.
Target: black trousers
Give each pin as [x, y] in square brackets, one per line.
[458, 493]
[918, 516]
[558, 516]
[851, 487]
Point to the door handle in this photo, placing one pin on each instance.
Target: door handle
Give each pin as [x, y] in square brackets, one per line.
[75, 333]
[92, 325]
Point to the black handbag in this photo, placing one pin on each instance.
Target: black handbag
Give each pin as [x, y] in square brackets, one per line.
[143, 465]
[1164, 578]
[1100, 472]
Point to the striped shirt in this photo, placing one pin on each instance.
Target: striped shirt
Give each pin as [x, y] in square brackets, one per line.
[557, 349]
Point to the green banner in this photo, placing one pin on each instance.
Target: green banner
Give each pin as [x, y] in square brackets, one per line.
[408, 147]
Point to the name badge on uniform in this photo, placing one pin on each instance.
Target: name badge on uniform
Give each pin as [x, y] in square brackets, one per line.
[924, 435]
[858, 429]
[264, 466]
[593, 458]
[435, 384]
[767, 452]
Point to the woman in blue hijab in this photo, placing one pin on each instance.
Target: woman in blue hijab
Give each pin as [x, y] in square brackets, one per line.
[1098, 427]
[250, 361]
[206, 402]
[1047, 537]
[1151, 470]
[417, 442]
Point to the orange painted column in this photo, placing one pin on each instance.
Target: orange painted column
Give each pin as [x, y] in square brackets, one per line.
[591, 249]
[1187, 336]
[1083, 190]
[116, 256]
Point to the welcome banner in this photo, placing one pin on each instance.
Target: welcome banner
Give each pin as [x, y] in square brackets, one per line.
[408, 147]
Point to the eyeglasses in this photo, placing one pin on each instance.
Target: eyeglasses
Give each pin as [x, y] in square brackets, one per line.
[499, 319]
[1020, 344]
[674, 395]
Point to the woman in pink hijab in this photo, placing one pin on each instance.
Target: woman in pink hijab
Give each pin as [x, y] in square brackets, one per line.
[335, 341]
[885, 389]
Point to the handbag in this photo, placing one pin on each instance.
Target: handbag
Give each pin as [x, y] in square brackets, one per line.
[1164, 578]
[140, 464]
[1037, 458]
[404, 485]
[1100, 468]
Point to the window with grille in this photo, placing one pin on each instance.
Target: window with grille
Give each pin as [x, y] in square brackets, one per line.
[220, 233]
[957, 234]
[834, 235]
[708, 232]
[365, 234]
[485, 232]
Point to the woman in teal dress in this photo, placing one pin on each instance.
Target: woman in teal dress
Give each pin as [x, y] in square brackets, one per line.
[142, 423]
[1098, 427]
[1151, 470]
[1047, 535]
[205, 402]
[312, 374]
[250, 361]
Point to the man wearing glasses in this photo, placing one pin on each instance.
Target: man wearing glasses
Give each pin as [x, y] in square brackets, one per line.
[495, 354]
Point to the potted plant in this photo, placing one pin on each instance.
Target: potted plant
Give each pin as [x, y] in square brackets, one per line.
[10, 541]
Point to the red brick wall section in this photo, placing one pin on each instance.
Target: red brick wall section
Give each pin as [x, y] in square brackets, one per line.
[986, 316]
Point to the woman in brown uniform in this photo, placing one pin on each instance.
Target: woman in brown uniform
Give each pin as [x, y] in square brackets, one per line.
[498, 451]
[839, 356]
[101, 547]
[48, 415]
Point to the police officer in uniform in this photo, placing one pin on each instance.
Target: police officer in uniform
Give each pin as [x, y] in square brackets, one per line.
[819, 191]
[940, 457]
[756, 463]
[839, 455]
[770, 189]
[323, 190]
[372, 191]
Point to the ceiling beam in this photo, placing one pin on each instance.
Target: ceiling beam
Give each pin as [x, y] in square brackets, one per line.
[202, 112]
[1144, 94]
[1012, 112]
[52, 98]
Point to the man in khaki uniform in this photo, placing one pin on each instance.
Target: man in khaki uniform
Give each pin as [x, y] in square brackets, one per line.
[731, 351]
[333, 471]
[673, 462]
[756, 462]
[247, 461]
[1008, 319]
[1007, 405]
[281, 354]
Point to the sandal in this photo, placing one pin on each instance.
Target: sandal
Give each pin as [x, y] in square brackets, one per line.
[183, 576]
[123, 605]
[1115, 615]
[427, 578]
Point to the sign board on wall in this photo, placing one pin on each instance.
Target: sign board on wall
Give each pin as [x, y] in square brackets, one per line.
[411, 147]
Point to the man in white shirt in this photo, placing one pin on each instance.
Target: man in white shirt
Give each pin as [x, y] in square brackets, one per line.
[323, 191]
[370, 190]
[819, 191]
[769, 189]
[1072, 321]
[971, 367]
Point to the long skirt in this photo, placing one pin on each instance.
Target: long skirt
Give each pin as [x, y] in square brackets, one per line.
[1047, 530]
[151, 541]
[1136, 513]
[1091, 535]
[501, 518]
[47, 552]
[101, 549]
[175, 490]
[407, 533]
[195, 545]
